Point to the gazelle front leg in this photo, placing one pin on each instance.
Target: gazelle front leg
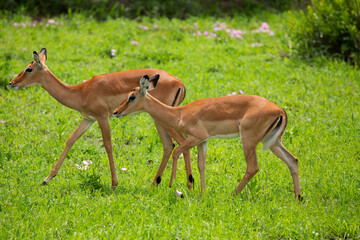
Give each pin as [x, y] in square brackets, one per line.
[168, 147]
[166, 133]
[83, 126]
[183, 147]
[179, 138]
[202, 149]
[106, 134]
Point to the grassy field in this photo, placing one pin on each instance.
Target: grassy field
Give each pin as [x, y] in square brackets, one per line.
[213, 58]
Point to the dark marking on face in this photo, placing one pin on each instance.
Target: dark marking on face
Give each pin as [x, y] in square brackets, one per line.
[158, 180]
[131, 98]
[296, 160]
[191, 179]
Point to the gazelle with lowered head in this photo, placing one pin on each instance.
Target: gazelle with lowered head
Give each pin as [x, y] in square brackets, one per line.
[96, 99]
[252, 118]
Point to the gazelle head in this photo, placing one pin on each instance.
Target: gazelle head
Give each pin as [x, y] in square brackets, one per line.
[32, 73]
[133, 103]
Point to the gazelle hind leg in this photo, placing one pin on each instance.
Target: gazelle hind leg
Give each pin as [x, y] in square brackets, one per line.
[291, 161]
[252, 166]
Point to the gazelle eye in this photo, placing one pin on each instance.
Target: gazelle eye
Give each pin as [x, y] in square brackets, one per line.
[28, 70]
[131, 98]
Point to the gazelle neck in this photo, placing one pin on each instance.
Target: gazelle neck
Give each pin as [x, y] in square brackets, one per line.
[168, 115]
[63, 93]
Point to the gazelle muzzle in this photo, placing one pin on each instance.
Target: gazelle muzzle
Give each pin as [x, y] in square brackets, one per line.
[13, 86]
[117, 114]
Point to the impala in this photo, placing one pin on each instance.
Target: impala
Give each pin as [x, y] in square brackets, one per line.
[253, 118]
[96, 99]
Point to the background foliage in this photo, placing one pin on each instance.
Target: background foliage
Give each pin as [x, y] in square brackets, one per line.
[330, 28]
[103, 9]
[323, 27]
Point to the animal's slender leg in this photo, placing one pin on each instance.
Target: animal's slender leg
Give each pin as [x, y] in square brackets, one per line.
[291, 161]
[165, 133]
[83, 126]
[202, 149]
[186, 154]
[106, 134]
[252, 167]
[168, 147]
[185, 146]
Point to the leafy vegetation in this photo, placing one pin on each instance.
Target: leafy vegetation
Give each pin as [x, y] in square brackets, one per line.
[213, 57]
[104, 9]
[330, 28]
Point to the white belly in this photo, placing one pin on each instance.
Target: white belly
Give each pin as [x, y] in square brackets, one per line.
[227, 136]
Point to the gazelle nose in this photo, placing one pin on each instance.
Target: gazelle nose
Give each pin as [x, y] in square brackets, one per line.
[115, 112]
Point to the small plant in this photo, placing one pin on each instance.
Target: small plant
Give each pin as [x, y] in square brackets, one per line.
[90, 182]
[329, 28]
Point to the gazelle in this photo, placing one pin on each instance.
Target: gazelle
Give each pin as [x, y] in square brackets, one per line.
[253, 118]
[96, 99]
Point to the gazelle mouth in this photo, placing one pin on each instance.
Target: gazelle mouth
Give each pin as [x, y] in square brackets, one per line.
[119, 115]
[15, 87]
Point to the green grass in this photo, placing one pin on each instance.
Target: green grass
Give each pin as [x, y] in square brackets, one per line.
[320, 97]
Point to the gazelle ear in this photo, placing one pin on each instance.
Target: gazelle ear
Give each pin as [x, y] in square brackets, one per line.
[144, 85]
[153, 81]
[37, 59]
[43, 55]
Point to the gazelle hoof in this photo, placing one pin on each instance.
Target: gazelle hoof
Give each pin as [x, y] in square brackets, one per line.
[179, 194]
[158, 180]
[301, 198]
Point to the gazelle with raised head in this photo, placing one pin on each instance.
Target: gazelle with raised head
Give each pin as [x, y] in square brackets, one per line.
[96, 99]
[252, 118]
